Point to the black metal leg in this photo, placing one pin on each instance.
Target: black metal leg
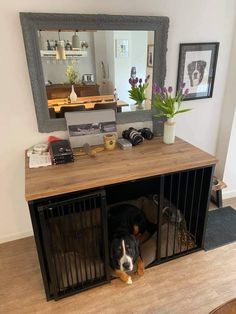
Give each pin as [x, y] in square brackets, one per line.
[39, 246]
[219, 198]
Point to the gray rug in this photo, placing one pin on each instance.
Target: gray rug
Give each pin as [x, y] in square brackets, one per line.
[221, 228]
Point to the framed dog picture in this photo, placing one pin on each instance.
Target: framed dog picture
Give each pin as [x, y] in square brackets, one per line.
[197, 67]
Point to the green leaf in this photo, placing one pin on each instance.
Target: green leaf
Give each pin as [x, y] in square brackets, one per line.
[183, 110]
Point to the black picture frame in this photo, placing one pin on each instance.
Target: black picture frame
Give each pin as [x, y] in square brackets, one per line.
[197, 68]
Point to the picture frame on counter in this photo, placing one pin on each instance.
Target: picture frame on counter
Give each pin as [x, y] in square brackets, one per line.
[197, 69]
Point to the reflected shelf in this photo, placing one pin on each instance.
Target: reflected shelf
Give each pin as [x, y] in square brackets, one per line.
[69, 53]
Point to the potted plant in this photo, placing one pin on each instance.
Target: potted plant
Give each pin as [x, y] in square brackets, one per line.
[137, 91]
[72, 76]
[168, 106]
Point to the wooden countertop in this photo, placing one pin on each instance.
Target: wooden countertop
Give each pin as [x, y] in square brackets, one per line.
[148, 159]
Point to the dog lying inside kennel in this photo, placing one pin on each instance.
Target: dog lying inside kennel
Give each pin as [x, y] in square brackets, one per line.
[74, 227]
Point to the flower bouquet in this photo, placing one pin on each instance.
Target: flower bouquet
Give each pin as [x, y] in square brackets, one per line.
[165, 103]
[168, 106]
[137, 91]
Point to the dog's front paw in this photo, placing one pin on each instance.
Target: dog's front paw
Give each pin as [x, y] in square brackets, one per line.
[140, 271]
[140, 267]
[129, 281]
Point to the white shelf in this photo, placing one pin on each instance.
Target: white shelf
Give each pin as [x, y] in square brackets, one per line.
[69, 53]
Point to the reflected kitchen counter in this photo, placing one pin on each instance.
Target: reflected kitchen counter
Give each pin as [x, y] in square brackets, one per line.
[88, 102]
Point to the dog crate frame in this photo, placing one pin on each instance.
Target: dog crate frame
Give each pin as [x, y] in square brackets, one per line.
[190, 186]
[40, 213]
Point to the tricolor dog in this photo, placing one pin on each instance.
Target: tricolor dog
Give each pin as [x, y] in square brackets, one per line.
[196, 72]
[126, 225]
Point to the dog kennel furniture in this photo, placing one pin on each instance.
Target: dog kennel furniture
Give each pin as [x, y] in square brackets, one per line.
[69, 205]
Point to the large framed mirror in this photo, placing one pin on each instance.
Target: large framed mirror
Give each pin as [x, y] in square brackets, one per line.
[85, 62]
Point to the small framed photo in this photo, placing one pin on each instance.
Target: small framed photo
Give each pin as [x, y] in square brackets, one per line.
[88, 78]
[90, 126]
[197, 68]
[150, 56]
[122, 48]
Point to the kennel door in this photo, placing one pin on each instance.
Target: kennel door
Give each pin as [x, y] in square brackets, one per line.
[74, 232]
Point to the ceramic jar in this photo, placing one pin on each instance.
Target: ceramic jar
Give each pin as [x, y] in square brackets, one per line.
[169, 131]
[109, 141]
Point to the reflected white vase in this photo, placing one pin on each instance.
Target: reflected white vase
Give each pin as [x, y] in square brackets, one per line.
[169, 131]
[139, 106]
[73, 96]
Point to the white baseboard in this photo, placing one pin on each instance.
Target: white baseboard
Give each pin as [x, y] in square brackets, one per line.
[16, 236]
[228, 194]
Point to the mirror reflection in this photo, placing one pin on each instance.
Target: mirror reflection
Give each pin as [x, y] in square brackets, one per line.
[91, 70]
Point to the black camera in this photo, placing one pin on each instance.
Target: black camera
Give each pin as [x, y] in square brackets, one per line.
[146, 133]
[133, 136]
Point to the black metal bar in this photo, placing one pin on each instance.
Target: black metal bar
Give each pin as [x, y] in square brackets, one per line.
[159, 218]
[168, 220]
[63, 253]
[88, 226]
[105, 235]
[49, 212]
[94, 234]
[192, 202]
[70, 250]
[73, 227]
[207, 205]
[39, 245]
[98, 232]
[198, 206]
[41, 212]
[83, 224]
[185, 202]
[78, 229]
[176, 210]
[59, 269]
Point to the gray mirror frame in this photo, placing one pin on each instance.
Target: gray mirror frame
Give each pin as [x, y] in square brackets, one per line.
[32, 22]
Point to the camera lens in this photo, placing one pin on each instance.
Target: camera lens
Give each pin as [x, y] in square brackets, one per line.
[133, 136]
[146, 133]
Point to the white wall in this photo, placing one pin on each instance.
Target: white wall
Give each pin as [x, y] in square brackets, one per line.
[190, 21]
[137, 41]
[230, 165]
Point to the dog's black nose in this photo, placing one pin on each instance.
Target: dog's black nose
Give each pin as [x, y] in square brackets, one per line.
[126, 265]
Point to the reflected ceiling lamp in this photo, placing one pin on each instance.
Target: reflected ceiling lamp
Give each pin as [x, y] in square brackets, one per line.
[60, 49]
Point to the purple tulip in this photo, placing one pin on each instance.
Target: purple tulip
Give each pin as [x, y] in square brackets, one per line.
[164, 90]
[130, 81]
[170, 89]
[140, 81]
[147, 78]
[182, 85]
[156, 89]
[136, 80]
[186, 92]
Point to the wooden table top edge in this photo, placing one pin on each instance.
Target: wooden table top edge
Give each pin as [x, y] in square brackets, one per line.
[119, 177]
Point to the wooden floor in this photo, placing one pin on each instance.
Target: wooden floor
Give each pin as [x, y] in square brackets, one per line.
[194, 284]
